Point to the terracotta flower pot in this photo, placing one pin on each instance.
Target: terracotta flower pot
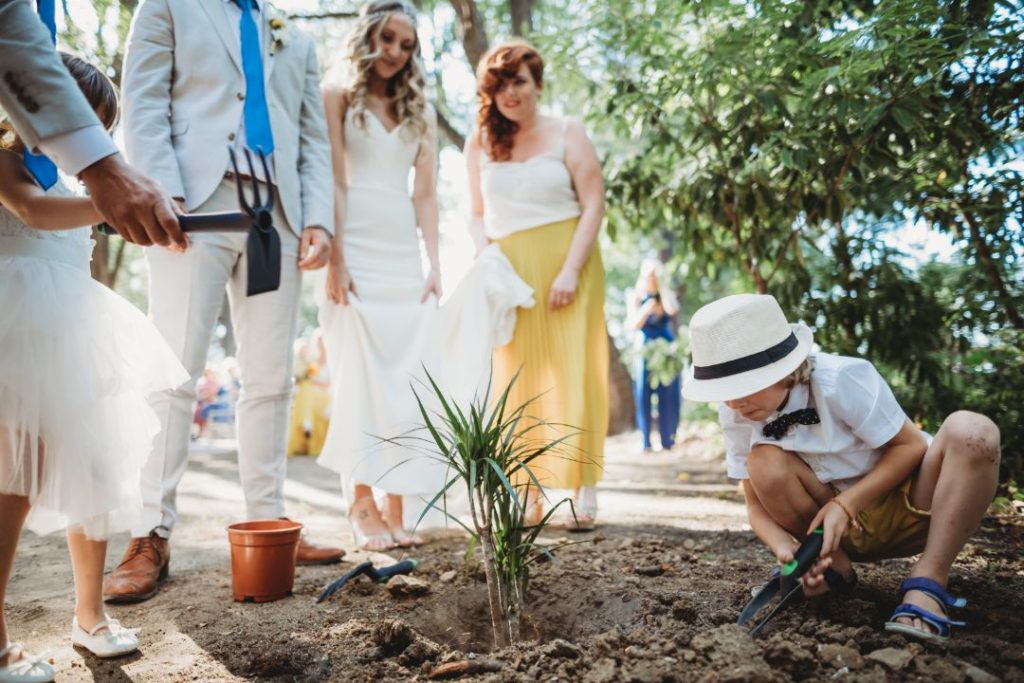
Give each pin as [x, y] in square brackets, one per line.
[263, 559]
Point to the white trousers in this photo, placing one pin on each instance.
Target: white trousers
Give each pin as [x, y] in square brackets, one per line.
[185, 296]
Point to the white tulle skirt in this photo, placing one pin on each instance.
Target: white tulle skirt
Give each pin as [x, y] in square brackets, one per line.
[76, 365]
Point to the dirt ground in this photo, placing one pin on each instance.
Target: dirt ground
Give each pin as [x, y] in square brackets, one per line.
[652, 595]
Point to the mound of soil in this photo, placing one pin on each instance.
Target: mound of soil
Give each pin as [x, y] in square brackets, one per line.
[653, 604]
[651, 596]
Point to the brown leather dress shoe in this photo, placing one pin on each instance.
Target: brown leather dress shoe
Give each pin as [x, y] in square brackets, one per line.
[310, 553]
[145, 564]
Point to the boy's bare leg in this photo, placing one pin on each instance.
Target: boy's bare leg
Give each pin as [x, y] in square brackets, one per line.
[13, 510]
[791, 494]
[956, 481]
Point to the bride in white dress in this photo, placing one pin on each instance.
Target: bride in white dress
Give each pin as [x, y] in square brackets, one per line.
[380, 319]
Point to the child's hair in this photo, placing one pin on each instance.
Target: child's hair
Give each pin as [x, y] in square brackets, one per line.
[802, 375]
[94, 84]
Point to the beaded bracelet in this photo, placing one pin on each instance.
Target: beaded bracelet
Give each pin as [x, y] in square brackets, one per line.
[853, 519]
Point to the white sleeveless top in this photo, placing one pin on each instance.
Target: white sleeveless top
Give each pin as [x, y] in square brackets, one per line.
[73, 246]
[519, 195]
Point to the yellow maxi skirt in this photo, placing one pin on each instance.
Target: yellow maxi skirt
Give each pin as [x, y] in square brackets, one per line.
[561, 357]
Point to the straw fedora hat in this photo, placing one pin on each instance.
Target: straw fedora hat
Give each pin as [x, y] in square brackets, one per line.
[742, 344]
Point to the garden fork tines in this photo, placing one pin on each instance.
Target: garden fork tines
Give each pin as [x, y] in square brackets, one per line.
[261, 214]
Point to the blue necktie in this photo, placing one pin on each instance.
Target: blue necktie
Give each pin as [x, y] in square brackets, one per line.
[258, 135]
[39, 165]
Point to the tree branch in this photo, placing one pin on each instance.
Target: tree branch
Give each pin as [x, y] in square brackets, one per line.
[522, 16]
[471, 30]
[450, 132]
[981, 251]
[325, 15]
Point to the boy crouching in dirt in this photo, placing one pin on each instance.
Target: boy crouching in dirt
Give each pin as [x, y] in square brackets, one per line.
[819, 440]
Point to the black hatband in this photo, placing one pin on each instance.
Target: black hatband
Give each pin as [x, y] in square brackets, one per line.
[747, 363]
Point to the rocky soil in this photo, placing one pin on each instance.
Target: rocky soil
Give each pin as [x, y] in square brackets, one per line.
[652, 595]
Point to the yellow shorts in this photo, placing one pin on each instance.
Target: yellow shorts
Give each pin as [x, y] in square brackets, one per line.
[892, 528]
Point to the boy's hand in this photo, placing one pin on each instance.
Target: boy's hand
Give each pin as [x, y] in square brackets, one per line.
[836, 523]
[784, 551]
[814, 580]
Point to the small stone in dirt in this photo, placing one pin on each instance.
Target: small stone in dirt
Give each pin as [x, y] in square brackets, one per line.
[745, 673]
[463, 668]
[689, 543]
[978, 675]
[393, 636]
[791, 658]
[604, 670]
[652, 570]
[449, 576]
[683, 610]
[841, 656]
[408, 586]
[560, 649]
[891, 658]
[937, 669]
[726, 644]
[421, 650]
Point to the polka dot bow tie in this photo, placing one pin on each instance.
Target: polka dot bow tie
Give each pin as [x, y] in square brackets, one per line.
[780, 426]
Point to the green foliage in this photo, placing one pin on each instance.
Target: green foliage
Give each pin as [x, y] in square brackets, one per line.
[783, 145]
[1012, 503]
[488, 450]
[665, 360]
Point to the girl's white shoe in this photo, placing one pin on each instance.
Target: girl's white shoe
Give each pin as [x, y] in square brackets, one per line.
[27, 669]
[112, 642]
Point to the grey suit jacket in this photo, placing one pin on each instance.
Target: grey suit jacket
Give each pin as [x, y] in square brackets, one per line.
[37, 93]
[184, 92]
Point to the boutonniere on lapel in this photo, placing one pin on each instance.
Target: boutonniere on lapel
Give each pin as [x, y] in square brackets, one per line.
[278, 33]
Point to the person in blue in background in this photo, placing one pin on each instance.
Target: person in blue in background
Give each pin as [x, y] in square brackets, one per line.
[652, 309]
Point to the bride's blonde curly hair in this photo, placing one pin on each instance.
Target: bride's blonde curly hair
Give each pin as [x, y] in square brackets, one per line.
[407, 89]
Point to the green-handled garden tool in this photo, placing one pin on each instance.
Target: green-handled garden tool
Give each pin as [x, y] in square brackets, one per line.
[785, 582]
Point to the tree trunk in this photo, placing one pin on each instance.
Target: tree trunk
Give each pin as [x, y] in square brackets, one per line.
[981, 251]
[450, 132]
[522, 16]
[621, 406]
[471, 30]
[102, 269]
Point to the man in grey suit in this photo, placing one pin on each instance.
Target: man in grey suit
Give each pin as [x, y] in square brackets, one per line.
[201, 76]
[50, 114]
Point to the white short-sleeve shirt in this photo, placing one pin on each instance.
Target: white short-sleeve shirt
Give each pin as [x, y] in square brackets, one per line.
[858, 413]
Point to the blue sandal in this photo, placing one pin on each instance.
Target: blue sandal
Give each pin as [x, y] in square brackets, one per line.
[940, 622]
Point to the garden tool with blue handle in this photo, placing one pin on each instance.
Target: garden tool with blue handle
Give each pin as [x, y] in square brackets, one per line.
[382, 575]
[784, 583]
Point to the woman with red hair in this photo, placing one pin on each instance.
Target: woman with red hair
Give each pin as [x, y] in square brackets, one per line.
[537, 192]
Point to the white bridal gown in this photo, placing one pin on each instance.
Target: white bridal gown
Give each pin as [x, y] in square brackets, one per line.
[378, 345]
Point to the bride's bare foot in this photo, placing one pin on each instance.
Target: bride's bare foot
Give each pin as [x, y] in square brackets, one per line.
[369, 529]
[393, 519]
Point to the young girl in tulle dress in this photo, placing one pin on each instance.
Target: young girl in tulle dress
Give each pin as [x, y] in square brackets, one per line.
[76, 364]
